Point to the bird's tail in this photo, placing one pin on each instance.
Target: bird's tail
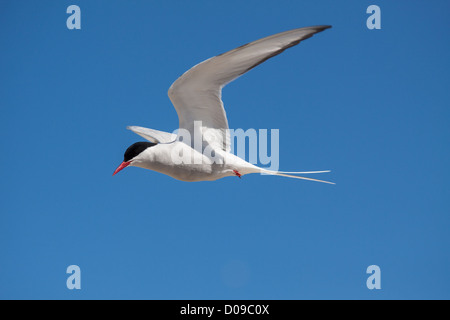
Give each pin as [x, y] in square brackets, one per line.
[291, 174]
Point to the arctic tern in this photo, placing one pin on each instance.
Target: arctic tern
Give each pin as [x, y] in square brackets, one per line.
[196, 96]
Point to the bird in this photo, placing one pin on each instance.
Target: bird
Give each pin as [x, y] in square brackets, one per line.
[196, 96]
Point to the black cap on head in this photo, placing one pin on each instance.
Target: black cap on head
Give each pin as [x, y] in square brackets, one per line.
[136, 149]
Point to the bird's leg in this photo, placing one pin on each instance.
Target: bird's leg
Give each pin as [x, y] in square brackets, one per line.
[237, 173]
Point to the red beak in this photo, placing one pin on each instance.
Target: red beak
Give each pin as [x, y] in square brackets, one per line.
[122, 165]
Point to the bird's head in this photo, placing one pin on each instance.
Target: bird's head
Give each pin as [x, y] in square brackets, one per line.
[134, 155]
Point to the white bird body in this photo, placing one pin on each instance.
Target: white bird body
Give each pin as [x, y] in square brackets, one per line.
[196, 165]
[196, 96]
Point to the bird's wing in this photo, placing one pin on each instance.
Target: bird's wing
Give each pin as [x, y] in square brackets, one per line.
[196, 95]
[153, 135]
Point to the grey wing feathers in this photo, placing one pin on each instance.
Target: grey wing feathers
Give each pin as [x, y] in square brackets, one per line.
[196, 95]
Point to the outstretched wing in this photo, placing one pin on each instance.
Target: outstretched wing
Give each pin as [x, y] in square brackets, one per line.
[153, 135]
[196, 95]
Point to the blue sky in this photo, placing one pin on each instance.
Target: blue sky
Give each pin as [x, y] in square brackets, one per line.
[371, 105]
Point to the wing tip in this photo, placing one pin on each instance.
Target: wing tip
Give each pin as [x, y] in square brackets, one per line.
[322, 27]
